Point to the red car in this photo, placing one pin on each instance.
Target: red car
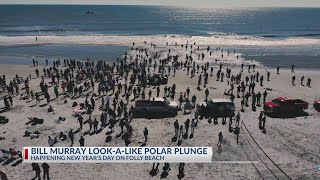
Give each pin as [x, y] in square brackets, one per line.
[316, 104]
[283, 105]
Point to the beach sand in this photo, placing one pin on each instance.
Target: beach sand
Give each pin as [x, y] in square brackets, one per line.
[292, 143]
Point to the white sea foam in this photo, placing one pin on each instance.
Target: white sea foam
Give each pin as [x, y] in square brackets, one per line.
[215, 40]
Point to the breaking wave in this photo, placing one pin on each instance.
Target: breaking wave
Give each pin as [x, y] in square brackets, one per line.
[214, 40]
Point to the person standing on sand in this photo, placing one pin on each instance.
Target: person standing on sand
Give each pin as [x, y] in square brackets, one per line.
[309, 82]
[56, 91]
[193, 100]
[71, 136]
[222, 76]
[37, 98]
[260, 120]
[180, 101]
[45, 168]
[293, 80]
[278, 68]
[264, 96]
[10, 99]
[196, 114]
[81, 141]
[90, 123]
[145, 134]
[242, 104]
[95, 125]
[181, 171]
[188, 91]
[292, 68]
[176, 127]
[264, 122]
[199, 81]
[47, 96]
[254, 99]
[220, 139]
[3, 176]
[258, 96]
[80, 120]
[36, 168]
[268, 75]
[302, 79]
[237, 132]
[238, 119]
[150, 94]
[186, 125]
[37, 72]
[193, 125]
[207, 94]
[261, 81]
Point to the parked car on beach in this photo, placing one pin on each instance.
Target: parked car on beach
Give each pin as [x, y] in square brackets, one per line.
[155, 107]
[316, 105]
[217, 108]
[157, 80]
[284, 105]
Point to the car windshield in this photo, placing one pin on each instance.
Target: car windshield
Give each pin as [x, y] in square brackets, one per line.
[277, 101]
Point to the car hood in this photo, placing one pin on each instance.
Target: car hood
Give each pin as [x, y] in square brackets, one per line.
[271, 104]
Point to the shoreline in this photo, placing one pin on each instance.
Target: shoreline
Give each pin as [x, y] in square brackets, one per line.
[284, 63]
[100, 39]
[265, 51]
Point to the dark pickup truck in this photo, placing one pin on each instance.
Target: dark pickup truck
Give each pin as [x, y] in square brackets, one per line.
[283, 105]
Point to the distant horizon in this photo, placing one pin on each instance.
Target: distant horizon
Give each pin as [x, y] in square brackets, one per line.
[209, 4]
[158, 5]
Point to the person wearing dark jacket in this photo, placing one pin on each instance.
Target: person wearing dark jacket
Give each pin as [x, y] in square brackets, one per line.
[81, 141]
[36, 168]
[145, 133]
[71, 136]
[45, 168]
[3, 176]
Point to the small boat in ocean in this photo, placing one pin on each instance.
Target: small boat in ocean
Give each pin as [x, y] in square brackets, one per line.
[89, 12]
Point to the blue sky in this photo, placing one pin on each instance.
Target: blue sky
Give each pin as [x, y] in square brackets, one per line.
[189, 3]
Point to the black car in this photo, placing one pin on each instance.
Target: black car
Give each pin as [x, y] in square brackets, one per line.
[155, 108]
[157, 80]
[217, 108]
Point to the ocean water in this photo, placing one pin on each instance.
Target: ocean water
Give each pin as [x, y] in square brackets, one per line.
[258, 33]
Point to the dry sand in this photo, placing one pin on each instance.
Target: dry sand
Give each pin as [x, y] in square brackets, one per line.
[293, 143]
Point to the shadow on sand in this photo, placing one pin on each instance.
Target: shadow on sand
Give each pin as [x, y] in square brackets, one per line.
[287, 115]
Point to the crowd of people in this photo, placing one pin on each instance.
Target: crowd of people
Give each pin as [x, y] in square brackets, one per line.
[114, 84]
